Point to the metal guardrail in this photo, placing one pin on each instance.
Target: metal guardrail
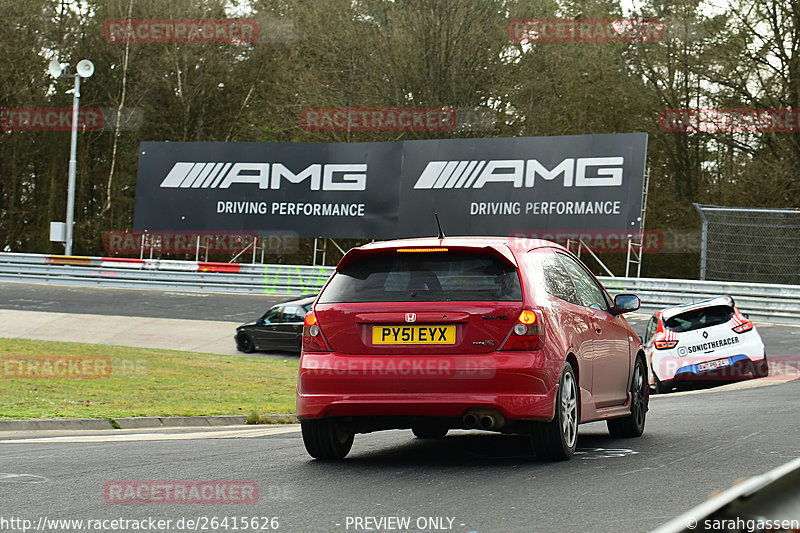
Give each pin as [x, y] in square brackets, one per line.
[776, 303]
[767, 502]
[760, 301]
[290, 280]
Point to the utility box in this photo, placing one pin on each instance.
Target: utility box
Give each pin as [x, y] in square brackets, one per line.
[58, 231]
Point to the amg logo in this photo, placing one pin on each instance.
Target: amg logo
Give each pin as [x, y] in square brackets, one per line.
[520, 172]
[338, 177]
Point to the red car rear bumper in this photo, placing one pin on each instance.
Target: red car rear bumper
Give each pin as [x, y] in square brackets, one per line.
[518, 384]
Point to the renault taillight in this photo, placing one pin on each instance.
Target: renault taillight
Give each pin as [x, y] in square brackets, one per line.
[665, 345]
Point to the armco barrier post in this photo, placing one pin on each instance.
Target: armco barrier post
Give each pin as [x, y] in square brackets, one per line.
[704, 245]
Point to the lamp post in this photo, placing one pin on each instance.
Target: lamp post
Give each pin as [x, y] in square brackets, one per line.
[84, 69]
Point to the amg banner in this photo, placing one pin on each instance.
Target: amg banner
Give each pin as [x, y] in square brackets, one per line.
[497, 186]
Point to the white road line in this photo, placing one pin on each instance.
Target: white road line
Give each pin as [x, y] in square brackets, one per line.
[130, 437]
[21, 478]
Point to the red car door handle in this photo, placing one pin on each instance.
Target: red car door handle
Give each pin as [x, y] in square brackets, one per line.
[598, 330]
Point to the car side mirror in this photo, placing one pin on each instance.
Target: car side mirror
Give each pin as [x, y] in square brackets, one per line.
[625, 303]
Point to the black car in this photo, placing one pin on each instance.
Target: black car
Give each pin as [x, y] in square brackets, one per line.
[280, 329]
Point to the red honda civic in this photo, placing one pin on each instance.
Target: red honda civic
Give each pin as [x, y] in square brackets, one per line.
[499, 334]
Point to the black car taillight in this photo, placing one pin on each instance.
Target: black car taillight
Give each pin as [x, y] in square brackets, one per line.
[528, 333]
[312, 335]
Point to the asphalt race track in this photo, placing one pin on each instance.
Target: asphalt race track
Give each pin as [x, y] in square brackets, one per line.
[694, 444]
[135, 302]
[781, 341]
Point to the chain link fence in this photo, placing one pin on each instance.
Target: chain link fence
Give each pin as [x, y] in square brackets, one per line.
[750, 245]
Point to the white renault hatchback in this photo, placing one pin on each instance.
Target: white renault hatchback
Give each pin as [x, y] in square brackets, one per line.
[703, 341]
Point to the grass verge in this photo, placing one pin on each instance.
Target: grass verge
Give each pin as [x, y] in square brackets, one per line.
[137, 382]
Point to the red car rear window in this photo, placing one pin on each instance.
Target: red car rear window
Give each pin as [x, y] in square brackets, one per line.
[432, 277]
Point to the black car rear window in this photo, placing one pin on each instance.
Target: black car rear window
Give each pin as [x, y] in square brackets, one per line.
[431, 277]
[700, 318]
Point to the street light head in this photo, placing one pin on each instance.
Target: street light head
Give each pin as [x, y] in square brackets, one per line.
[55, 68]
[85, 68]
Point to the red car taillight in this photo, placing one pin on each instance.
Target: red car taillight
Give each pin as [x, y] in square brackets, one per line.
[312, 336]
[528, 332]
[665, 345]
[745, 326]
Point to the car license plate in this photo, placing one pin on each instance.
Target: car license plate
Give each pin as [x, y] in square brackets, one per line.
[711, 365]
[413, 334]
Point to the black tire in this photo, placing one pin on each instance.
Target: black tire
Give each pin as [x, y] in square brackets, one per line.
[556, 440]
[660, 386]
[633, 424]
[761, 369]
[244, 343]
[327, 438]
[429, 431]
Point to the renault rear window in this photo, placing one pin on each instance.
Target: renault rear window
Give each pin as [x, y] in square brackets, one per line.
[700, 318]
[431, 277]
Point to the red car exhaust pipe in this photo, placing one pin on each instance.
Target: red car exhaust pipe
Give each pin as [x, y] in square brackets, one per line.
[470, 420]
[487, 422]
[483, 418]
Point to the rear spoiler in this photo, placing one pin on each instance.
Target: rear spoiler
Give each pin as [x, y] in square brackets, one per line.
[356, 254]
[674, 311]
